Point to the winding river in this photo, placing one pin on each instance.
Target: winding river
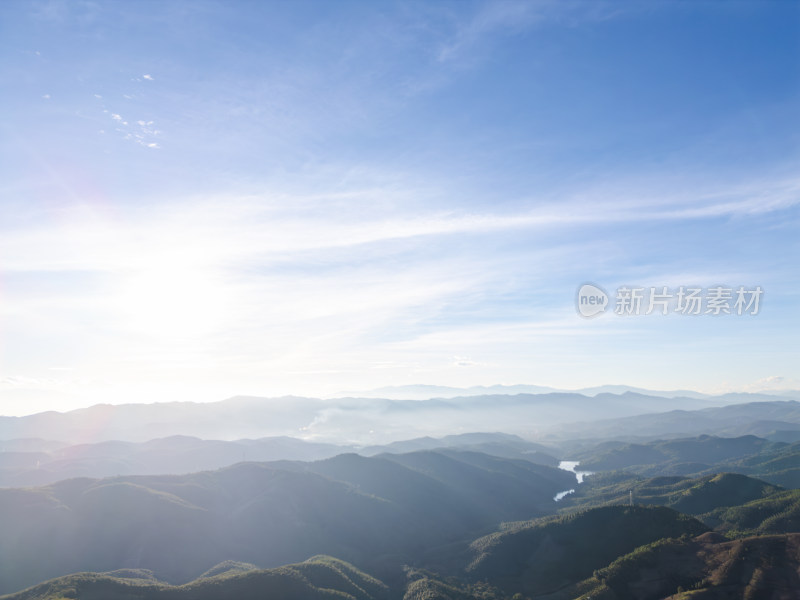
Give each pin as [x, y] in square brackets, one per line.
[570, 465]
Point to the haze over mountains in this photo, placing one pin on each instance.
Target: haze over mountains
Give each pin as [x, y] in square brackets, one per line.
[360, 421]
[356, 508]
[26, 462]
[183, 437]
[164, 501]
[437, 524]
[424, 392]
[777, 419]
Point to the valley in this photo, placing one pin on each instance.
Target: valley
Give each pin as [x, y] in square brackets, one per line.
[474, 515]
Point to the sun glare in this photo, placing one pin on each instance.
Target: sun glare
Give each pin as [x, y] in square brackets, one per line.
[171, 301]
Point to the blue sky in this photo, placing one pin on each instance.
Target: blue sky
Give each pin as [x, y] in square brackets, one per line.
[203, 199]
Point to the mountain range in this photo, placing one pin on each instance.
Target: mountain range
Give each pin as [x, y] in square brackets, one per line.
[370, 421]
[679, 503]
[369, 510]
[772, 419]
[424, 392]
[37, 461]
[412, 530]
[32, 461]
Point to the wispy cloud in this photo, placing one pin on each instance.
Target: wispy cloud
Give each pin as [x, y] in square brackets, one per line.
[253, 281]
[400, 188]
[225, 228]
[490, 19]
[143, 133]
[474, 29]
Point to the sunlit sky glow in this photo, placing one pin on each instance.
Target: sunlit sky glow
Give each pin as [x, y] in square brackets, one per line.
[201, 199]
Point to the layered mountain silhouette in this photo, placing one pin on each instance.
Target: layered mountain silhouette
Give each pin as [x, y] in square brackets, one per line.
[679, 504]
[32, 462]
[362, 509]
[777, 420]
[369, 421]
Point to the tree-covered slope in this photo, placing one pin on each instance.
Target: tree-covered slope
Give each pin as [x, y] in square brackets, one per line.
[549, 553]
[777, 513]
[319, 578]
[688, 495]
[704, 568]
[775, 462]
[370, 511]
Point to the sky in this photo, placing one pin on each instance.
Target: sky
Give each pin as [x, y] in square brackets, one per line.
[201, 199]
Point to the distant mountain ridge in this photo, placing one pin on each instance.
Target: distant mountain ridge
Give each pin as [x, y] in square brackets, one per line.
[36, 459]
[32, 462]
[762, 418]
[425, 392]
[361, 421]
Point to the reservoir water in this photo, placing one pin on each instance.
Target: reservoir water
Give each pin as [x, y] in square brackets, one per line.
[570, 465]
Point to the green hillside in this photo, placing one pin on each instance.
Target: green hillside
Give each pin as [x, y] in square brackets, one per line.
[705, 568]
[777, 513]
[376, 512]
[693, 496]
[417, 521]
[319, 578]
[775, 462]
[549, 553]
[703, 449]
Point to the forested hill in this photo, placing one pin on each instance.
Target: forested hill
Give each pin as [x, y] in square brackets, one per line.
[360, 509]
